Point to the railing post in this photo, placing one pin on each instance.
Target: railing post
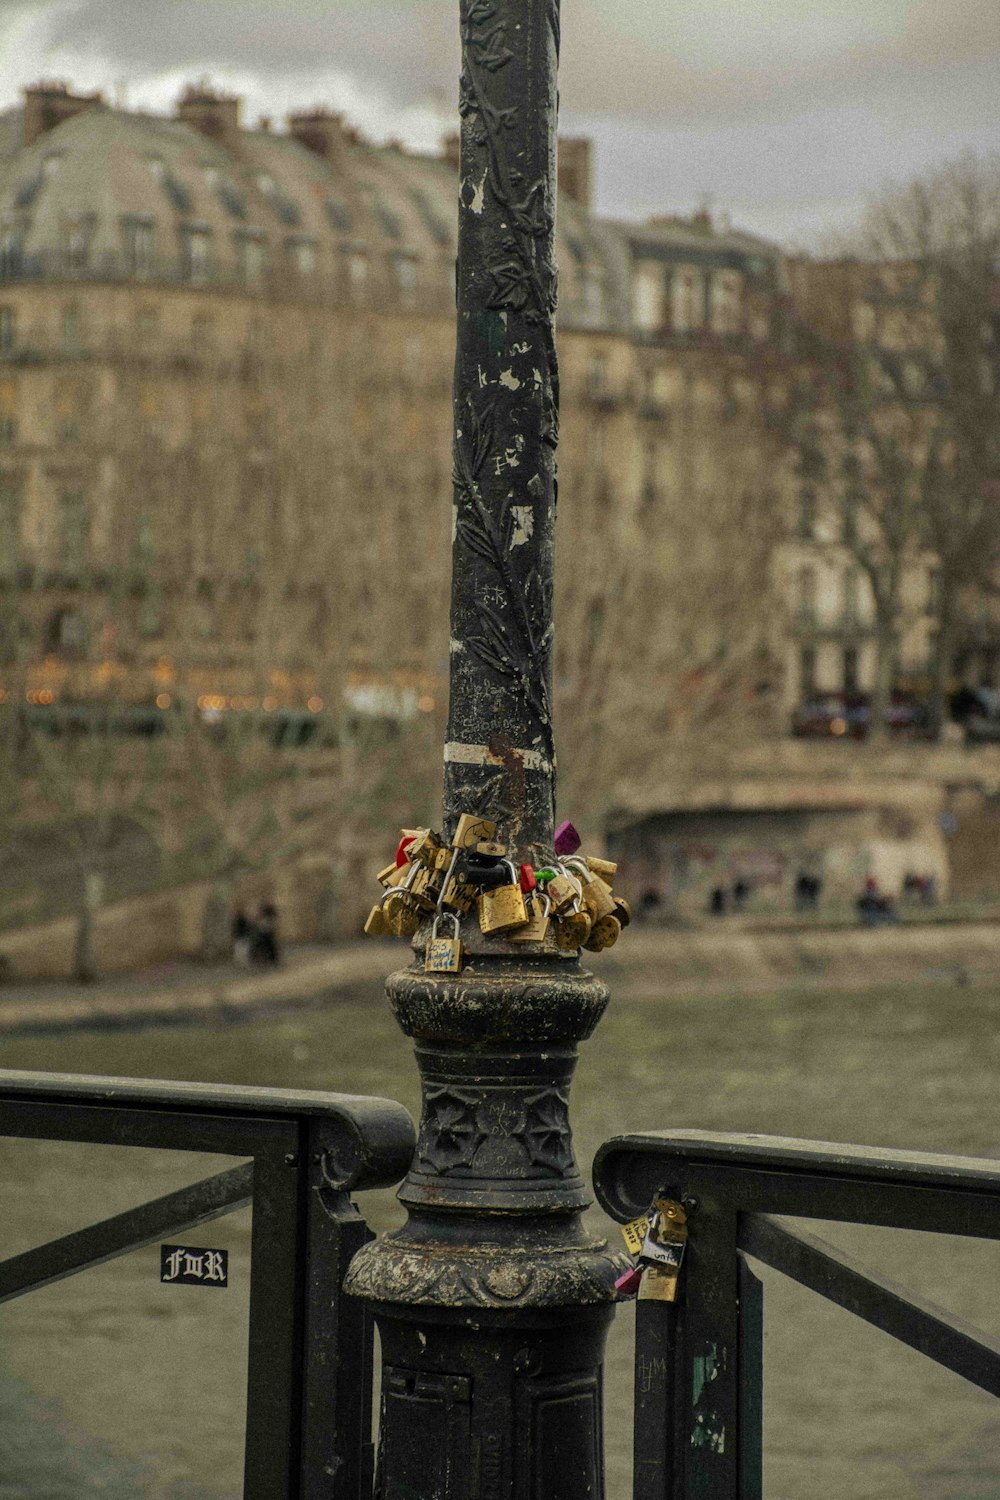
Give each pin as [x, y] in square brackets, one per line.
[492, 1302]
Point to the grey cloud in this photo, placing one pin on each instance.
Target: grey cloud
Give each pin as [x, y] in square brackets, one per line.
[648, 61]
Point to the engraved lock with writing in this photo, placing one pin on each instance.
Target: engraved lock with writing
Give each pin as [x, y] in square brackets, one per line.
[502, 908]
[472, 830]
[444, 954]
[539, 917]
[562, 891]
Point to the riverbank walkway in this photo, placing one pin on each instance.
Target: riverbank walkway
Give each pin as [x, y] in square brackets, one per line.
[716, 958]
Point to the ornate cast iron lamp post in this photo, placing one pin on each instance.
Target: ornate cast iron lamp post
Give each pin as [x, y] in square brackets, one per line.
[492, 1302]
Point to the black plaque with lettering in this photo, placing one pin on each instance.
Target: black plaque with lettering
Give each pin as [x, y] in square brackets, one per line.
[194, 1265]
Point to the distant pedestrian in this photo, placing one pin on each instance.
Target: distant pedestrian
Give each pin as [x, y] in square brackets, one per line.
[265, 936]
[649, 905]
[718, 901]
[243, 934]
[741, 894]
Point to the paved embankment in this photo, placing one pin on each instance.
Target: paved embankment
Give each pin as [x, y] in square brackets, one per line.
[660, 961]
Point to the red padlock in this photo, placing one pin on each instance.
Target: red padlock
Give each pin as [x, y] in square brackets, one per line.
[628, 1285]
[401, 849]
[528, 881]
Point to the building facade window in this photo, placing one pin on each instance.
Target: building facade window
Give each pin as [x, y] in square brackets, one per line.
[12, 238]
[78, 234]
[850, 675]
[852, 595]
[303, 253]
[10, 521]
[66, 633]
[687, 300]
[251, 251]
[71, 329]
[725, 296]
[138, 241]
[196, 242]
[405, 269]
[8, 329]
[74, 530]
[647, 298]
[357, 272]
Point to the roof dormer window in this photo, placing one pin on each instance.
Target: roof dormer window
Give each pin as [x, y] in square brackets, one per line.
[338, 215]
[176, 192]
[286, 208]
[228, 194]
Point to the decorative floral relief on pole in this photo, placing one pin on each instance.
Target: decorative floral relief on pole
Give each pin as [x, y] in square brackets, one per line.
[501, 755]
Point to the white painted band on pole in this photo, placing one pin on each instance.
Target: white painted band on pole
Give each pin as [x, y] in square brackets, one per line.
[481, 755]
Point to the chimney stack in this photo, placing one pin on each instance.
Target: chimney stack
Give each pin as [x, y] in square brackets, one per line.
[575, 159]
[47, 104]
[214, 115]
[319, 130]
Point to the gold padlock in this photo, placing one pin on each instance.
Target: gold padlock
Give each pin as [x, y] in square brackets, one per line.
[471, 830]
[502, 908]
[623, 911]
[605, 868]
[376, 925]
[424, 847]
[492, 849]
[392, 874]
[421, 887]
[604, 934]
[401, 915]
[444, 955]
[572, 930]
[596, 894]
[537, 929]
[458, 895]
[562, 891]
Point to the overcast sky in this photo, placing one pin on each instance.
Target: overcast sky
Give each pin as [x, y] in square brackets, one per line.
[786, 114]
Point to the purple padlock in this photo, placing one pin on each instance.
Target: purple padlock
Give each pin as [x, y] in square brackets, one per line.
[628, 1284]
[567, 840]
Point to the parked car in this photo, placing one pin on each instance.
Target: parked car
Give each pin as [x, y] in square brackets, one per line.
[981, 716]
[848, 716]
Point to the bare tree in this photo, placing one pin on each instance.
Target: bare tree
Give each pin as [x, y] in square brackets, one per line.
[896, 416]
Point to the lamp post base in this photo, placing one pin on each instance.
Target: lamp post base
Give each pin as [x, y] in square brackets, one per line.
[492, 1302]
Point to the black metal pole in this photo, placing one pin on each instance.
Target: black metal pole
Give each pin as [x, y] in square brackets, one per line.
[492, 1302]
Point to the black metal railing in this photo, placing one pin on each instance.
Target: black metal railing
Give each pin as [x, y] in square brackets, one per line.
[699, 1359]
[309, 1388]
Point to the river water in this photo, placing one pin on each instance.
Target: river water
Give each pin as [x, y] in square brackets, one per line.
[113, 1385]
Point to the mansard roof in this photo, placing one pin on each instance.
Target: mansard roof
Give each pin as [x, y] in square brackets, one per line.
[91, 172]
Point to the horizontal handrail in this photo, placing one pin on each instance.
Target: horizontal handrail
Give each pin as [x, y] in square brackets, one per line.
[934, 1331]
[376, 1139]
[810, 1179]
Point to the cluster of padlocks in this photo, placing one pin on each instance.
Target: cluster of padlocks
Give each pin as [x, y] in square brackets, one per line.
[431, 880]
[656, 1242]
